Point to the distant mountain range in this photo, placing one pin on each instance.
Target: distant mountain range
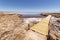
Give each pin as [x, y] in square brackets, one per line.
[25, 15]
[31, 14]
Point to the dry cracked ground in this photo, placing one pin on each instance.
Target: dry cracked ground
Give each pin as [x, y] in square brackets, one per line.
[13, 27]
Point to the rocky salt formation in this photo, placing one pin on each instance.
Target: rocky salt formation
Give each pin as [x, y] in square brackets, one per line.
[54, 33]
[9, 26]
[31, 21]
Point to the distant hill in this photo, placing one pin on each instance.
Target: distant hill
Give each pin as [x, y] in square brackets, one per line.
[53, 14]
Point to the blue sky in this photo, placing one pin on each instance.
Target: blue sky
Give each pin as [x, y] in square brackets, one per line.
[30, 5]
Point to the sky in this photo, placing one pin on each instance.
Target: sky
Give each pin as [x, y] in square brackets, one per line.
[30, 5]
